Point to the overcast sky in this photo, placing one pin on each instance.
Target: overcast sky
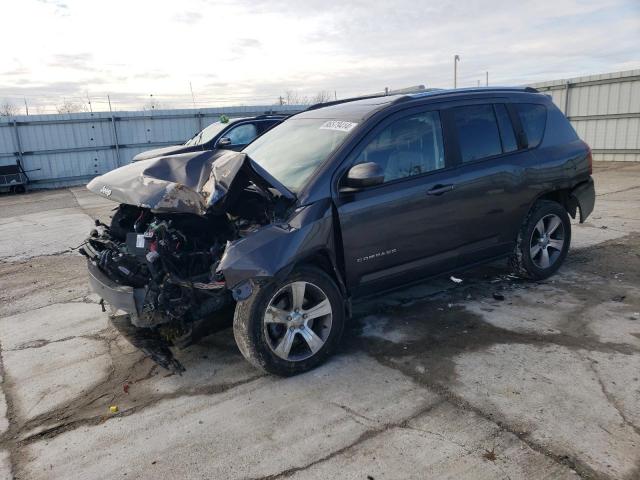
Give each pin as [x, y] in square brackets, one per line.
[252, 51]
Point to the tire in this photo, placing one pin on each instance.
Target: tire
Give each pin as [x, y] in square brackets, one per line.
[538, 253]
[261, 335]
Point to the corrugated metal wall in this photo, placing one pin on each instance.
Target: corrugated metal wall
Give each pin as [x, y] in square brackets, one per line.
[604, 110]
[70, 149]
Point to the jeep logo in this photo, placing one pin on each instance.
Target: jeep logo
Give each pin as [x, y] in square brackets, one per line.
[106, 191]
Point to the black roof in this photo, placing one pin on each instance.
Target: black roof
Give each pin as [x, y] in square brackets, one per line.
[360, 108]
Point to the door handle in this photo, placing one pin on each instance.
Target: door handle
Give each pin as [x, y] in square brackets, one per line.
[440, 189]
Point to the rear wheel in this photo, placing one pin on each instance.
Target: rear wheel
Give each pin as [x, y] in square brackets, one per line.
[543, 241]
[293, 326]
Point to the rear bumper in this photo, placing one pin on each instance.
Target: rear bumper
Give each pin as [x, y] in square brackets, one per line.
[584, 196]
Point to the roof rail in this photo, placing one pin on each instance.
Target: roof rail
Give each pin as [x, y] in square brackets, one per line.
[424, 93]
[462, 91]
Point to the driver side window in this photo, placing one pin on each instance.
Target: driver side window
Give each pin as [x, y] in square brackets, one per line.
[242, 134]
[408, 146]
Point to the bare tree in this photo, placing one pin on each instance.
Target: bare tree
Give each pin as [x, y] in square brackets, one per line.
[323, 96]
[68, 106]
[8, 109]
[293, 97]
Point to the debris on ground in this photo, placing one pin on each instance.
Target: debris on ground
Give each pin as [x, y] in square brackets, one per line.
[125, 388]
[113, 409]
[618, 298]
[455, 279]
[498, 296]
[490, 454]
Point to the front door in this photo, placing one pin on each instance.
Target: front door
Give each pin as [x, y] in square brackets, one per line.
[403, 229]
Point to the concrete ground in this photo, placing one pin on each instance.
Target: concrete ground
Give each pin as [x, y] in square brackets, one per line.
[440, 380]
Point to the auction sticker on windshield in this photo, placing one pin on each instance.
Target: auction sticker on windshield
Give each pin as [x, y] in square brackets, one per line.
[339, 125]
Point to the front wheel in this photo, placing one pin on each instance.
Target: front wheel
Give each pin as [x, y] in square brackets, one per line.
[543, 241]
[292, 326]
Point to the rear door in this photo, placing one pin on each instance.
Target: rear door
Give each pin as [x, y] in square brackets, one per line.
[403, 229]
[490, 190]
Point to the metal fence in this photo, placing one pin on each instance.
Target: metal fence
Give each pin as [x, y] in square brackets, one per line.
[69, 149]
[604, 110]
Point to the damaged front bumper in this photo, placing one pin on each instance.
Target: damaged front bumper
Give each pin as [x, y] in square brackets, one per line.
[125, 304]
[118, 297]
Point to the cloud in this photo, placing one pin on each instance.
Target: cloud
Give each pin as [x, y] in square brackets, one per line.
[188, 17]
[79, 61]
[251, 51]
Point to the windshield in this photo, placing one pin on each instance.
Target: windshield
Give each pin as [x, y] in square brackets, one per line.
[293, 150]
[207, 134]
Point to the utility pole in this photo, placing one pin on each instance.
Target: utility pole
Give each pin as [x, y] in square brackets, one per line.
[281, 100]
[456, 59]
[26, 107]
[89, 101]
[193, 98]
[487, 83]
[109, 100]
[335, 95]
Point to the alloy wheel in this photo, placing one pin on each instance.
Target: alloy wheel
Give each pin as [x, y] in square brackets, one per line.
[297, 321]
[547, 241]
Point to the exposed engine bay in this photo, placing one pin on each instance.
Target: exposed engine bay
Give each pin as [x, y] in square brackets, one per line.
[161, 255]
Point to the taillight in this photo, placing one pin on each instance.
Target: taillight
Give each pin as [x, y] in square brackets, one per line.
[590, 160]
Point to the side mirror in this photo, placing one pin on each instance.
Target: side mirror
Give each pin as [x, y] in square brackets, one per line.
[364, 175]
[224, 142]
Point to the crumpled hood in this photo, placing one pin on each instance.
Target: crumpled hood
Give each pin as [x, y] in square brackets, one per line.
[184, 183]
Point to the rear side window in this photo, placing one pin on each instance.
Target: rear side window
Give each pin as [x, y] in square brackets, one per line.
[534, 119]
[478, 133]
[509, 143]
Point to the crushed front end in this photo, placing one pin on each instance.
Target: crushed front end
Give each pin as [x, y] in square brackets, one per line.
[155, 266]
[159, 273]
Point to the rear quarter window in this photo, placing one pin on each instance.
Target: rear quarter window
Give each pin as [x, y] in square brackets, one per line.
[534, 121]
[559, 130]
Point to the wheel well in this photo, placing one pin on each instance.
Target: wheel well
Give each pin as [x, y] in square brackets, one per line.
[322, 260]
[564, 198]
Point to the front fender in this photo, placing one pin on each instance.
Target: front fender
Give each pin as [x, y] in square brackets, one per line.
[275, 248]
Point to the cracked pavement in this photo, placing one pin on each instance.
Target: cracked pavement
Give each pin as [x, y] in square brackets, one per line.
[439, 380]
